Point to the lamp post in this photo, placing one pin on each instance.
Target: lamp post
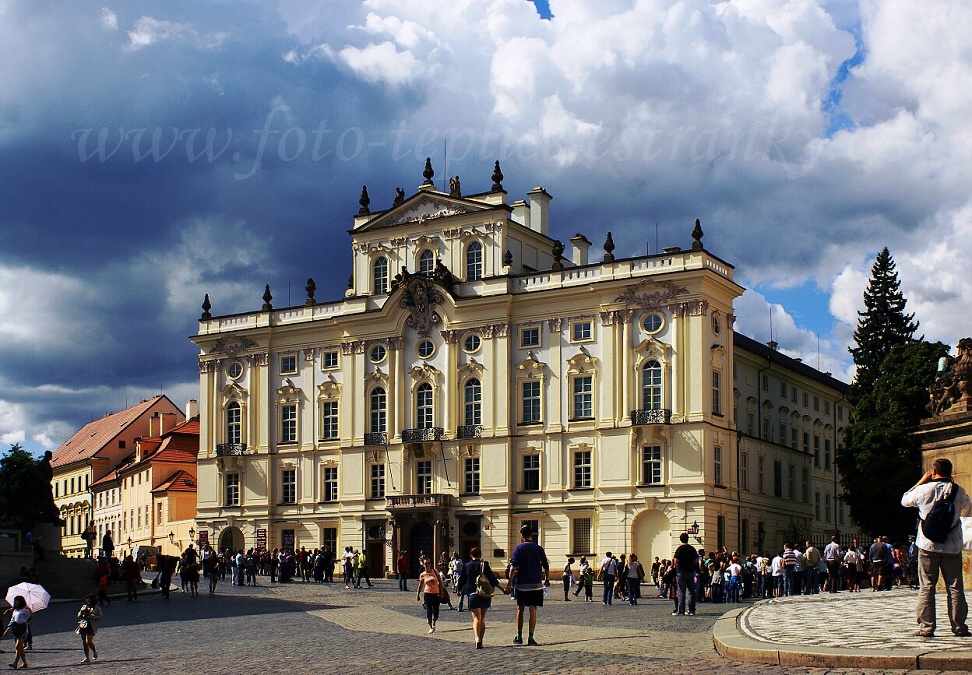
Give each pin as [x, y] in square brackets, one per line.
[171, 538]
[129, 546]
[192, 535]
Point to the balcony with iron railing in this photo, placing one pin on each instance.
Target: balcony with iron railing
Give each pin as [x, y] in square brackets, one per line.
[469, 431]
[230, 449]
[419, 501]
[376, 438]
[422, 434]
[645, 416]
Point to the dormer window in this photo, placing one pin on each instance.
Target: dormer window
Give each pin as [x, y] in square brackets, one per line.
[474, 262]
[426, 262]
[380, 276]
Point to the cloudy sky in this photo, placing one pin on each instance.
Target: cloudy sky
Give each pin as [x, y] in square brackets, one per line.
[154, 152]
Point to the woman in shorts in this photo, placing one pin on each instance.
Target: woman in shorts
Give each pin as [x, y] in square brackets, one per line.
[479, 601]
[19, 616]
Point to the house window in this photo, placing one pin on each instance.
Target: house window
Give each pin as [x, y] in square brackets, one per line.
[721, 531]
[793, 394]
[744, 471]
[379, 276]
[423, 406]
[767, 429]
[651, 465]
[379, 408]
[777, 478]
[329, 538]
[806, 400]
[816, 504]
[531, 473]
[840, 413]
[425, 349]
[827, 461]
[717, 459]
[782, 389]
[816, 403]
[716, 392]
[581, 331]
[582, 470]
[534, 526]
[651, 385]
[423, 477]
[377, 481]
[426, 262]
[751, 423]
[805, 486]
[791, 482]
[234, 425]
[288, 482]
[530, 336]
[531, 401]
[765, 382]
[472, 402]
[288, 423]
[329, 359]
[581, 536]
[816, 450]
[827, 507]
[806, 446]
[782, 433]
[470, 485]
[744, 534]
[329, 419]
[330, 492]
[474, 262]
[471, 343]
[794, 432]
[760, 470]
[232, 489]
[288, 364]
[583, 397]
[826, 407]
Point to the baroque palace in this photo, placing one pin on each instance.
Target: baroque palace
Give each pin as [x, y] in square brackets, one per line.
[474, 378]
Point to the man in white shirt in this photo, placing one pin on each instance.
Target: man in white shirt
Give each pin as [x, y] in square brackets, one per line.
[832, 558]
[777, 566]
[608, 570]
[944, 557]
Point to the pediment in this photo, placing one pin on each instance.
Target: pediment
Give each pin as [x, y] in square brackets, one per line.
[422, 208]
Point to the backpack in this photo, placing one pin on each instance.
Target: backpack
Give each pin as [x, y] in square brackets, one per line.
[484, 588]
[941, 518]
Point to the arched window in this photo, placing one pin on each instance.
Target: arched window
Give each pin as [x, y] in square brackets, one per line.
[378, 410]
[380, 276]
[474, 262]
[426, 262]
[234, 423]
[473, 402]
[423, 406]
[651, 385]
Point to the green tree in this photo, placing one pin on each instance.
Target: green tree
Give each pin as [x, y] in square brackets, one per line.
[879, 458]
[882, 325]
[22, 501]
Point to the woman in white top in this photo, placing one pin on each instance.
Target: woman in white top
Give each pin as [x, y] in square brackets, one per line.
[20, 615]
[633, 576]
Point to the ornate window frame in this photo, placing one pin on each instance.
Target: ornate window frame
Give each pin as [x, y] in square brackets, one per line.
[287, 396]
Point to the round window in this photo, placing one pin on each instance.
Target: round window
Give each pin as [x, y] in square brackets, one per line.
[425, 348]
[471, 343]
[653, 322]
[377, 354]
[470, 529]
[716, 326]
[235, 369]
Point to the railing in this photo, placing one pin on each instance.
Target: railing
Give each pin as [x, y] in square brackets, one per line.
[377, 438]
[651, 416]
[422, 434]
[469, 431]
[419, 501]
[230, 449]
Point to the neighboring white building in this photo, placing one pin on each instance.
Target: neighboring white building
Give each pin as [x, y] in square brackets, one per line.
[493, 383]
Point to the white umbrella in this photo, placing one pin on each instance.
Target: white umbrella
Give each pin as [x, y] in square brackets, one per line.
[35, 595]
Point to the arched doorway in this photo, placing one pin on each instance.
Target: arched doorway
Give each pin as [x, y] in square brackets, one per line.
[231, 538]
[651, 537]
[421, 539]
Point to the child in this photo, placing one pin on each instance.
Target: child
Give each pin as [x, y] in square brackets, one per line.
[588, 584]
[103, 590]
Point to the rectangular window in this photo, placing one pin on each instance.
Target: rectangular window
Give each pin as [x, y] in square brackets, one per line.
[840, 413]
[751, 424]
[793, 394]
[765, 382]
[816, 450]
[827, 507]
[329, 538]
[329, 359]
[581, 331]
[816, 403]
[721, 531]
[744, 471]
[534, 526]
[377, 481]
[531, 402]
[582, 469]
[827, 461]
[716, 392]
[791, 482]
[744, 534]
[288, 486]
[760, 471]
[717, 458]
[805, 486]
[329, 419]
[651, 473]
[794, 432]
[530, 336]
[782, 433]
[782, 389]
[806, 400]
[158, 514]
[531, 473]
[470, 483]
[583, 397]
[288, 423]
[777, 478]
[423, 477]
[816, 504]
[806, 444]
[826, 407]
[330, 492]
[767, 429]
[288, 364]
[581, 543]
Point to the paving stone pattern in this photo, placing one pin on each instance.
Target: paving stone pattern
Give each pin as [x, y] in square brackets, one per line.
[310, 628]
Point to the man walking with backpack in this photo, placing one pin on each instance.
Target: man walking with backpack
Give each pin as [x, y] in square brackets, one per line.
[939, 502]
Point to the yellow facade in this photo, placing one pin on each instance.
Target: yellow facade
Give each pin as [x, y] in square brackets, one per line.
[73, 500]
[444, 407]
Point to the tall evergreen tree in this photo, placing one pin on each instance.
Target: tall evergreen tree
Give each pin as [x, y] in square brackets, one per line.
[882, 325]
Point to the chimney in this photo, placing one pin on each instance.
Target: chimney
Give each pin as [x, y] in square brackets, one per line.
[539, 213]
[581, 246]
[192, 408]
[772, 344]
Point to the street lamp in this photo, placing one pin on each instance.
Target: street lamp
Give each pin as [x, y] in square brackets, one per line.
[171, 537]
[192, 535]
[129, 545]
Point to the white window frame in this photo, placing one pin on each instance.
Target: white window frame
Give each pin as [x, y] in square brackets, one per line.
[528, 331]
[377, 481]
[471, 476]
[582, 397]
[424, 406]
[534, 407]
[581, 330]
[424, 479]
[472, 402]
[474, 261]
[289, 415]
[378, 410]
[288, 482]
[329, 483]
[231, 492]
[379, 275]
[583, 469]
[652, 376]
[652, 465]
[330, 419]
[535, 468]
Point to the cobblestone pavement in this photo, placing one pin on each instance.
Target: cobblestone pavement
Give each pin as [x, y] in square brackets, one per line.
[322, 628]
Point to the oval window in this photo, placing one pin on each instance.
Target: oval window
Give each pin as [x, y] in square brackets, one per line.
[235, 369]
[653, 322]
[377, 354]
[426, 348]
[471, 343]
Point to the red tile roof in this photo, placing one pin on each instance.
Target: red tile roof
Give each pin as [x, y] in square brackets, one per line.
[180, 481]
[94, 436]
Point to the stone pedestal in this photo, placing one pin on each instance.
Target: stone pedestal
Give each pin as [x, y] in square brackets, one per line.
[50, 537]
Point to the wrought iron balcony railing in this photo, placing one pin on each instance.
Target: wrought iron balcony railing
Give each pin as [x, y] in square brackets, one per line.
[419, 501]
[651, 416]
[377, 438]
[230, 449]
[469, 431]
[422, 434]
